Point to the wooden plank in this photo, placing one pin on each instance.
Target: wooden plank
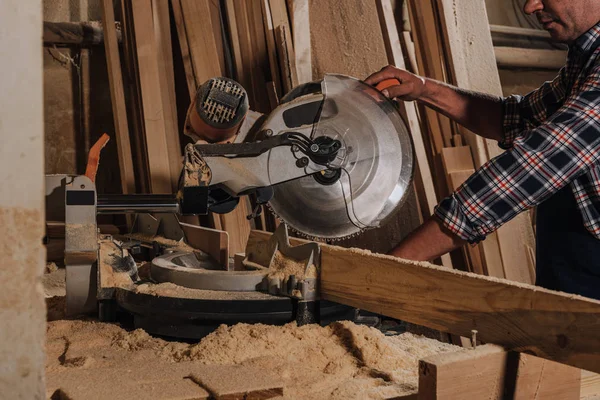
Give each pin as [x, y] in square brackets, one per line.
[423, 177]
[162, 30]
[200, 33]
[260, 57]
[473, 66]
[590, 385]
[300, 20]
[489, 372]
[117, 97]
[230, 16]
[285, 50]
[272, 50]
[131, 80]
[154, 121]
[521, 317]
[190, 76]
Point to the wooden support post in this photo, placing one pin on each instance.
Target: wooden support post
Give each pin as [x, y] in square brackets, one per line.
[117, 97]
[489, 372]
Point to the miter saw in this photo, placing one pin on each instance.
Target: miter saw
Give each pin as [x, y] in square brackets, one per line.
[332, 160]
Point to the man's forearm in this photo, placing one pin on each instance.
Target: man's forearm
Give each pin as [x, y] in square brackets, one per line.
[478, 112]
[429, 241]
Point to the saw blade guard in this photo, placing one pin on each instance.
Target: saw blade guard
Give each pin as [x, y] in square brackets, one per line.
[369, 179]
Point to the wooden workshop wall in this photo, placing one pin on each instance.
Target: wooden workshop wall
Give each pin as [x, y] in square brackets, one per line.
[22, 308]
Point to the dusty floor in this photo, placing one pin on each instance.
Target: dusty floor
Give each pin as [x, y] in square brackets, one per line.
[340, 361]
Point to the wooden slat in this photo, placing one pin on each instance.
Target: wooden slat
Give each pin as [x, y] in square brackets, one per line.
[132, 85]
[463, 21]
[489, 372]
[190, 76]
[200, 34]
[423, 178]
[154, 121]
[117, 95]
[284, 44]
[300, 21]
[271, 48]
[549, 324]
[162, 30]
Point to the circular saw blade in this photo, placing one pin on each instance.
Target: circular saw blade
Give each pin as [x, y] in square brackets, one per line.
[375, 166]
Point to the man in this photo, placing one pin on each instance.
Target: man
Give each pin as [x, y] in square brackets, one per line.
[552, 158]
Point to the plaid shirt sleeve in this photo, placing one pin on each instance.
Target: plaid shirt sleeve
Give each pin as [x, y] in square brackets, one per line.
[526, 112]
[540, 161]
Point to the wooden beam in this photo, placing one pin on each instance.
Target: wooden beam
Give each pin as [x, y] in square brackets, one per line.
[489, 372]
[520, 317]
[117, 97]
[517, 316]
[154, 120]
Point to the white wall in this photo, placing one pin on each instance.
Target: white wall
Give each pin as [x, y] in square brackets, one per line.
[22, 309]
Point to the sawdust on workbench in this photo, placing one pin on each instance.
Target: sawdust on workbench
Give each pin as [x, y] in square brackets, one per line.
[282, 267]
[341, 361]
[168, 289]
[178, 245]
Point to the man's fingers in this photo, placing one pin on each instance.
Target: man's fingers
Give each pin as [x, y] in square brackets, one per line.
[400, 91]
[386, 73]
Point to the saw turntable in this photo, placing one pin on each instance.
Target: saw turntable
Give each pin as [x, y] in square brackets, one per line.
[332, 160]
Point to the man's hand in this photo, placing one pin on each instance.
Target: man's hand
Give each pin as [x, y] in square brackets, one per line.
[411, 86]
[480, 113]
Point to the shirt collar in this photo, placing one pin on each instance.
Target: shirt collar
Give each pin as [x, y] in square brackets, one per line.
[589, 41]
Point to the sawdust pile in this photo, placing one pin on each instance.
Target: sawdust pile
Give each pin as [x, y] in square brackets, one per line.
[341, 361]
[54, 292]
[282, 267]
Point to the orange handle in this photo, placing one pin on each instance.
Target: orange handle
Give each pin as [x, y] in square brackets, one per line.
[387, 83]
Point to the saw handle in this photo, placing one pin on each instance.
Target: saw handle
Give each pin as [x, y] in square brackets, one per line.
[386, 83]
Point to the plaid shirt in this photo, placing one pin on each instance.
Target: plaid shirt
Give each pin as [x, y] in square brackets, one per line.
[552, 139]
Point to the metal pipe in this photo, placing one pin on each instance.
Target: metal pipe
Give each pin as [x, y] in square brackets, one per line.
[137, 203]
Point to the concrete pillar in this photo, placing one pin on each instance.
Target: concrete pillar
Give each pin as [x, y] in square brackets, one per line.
[22, 255]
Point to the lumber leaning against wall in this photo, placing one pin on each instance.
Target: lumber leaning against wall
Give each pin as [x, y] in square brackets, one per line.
[22, 308]
[474, 67]
[347, 38]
